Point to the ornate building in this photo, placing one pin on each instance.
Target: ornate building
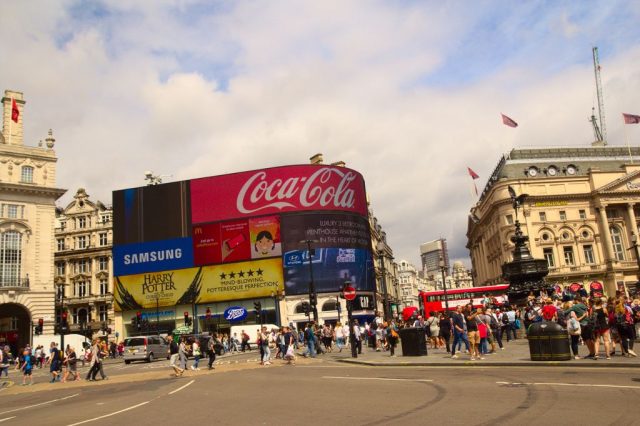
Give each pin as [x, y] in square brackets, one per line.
[410, 284]
[83, 265]
[581, 215]
[27, 212]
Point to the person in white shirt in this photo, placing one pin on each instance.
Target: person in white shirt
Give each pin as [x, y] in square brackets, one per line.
[339, 332]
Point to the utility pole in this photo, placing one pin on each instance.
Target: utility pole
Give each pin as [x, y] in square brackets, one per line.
[313, 297]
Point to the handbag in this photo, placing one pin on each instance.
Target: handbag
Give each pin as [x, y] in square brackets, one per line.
[518, 324]
[290, 352]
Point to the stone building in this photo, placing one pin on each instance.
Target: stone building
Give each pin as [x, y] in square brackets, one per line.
[27, 213]
[83, 265]
[410, 284]
[581, 215]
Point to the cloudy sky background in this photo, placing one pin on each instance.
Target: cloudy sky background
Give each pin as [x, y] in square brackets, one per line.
[407, 92]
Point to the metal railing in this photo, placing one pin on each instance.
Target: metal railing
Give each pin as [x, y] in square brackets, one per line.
[14, 283]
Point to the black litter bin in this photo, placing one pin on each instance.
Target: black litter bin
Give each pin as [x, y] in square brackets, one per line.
[548, 341]
[413, 341]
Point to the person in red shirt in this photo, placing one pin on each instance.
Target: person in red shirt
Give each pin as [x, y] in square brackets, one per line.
[549, 312]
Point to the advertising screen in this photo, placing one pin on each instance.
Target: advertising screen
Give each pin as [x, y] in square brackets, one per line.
[215, 283]
[151, 213]
[154, 256]
[327, 229]
[331, 268]
[277, 190]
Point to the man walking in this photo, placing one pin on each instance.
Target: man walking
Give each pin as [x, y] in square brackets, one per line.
[459, 331]
[211, 348]
[55, 361]
[173, 357]
[309, 338]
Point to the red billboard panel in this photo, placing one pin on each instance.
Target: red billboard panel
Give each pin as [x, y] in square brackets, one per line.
[207, 246]
[277, 190]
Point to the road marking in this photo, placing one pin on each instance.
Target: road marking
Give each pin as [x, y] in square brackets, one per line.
[181, 387]
[8, 418]
[109, 415]
[578, 385]
[37, 405]
[377, 378]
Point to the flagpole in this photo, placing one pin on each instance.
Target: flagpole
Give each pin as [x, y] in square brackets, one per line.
[626, 138]
[10, 120]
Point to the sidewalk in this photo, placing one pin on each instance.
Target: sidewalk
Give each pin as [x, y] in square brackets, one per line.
[515, 354]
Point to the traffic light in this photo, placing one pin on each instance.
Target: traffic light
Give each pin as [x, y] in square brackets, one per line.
[40, 326]
[313, 301]
[257, 306]
[306, 308]
[65, 322]
[187, 320]
[208, 313]
[139, 320]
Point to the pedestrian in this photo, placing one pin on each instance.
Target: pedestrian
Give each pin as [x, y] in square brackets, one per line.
[245, 341]
[339, 333]
[601, 329]
[472, 332]
[103, 352]
[392, 336]
[327, 337]
[289, 342]
[195, 350]
[549, 311]
[586, 329]
[358, 336]
[445, 330]
[211, 350]
[433, 324]
[71, 361]
[55, 359]
[309, 339]
[459, 330]
[573, 328]
[495, 328]
[265, 352]
[94, 364]
[174, 353]
[182, 351]
[624, 324]
[27, 367]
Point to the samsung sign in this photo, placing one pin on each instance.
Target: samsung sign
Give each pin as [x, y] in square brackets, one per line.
[235, 313]
[131, 259]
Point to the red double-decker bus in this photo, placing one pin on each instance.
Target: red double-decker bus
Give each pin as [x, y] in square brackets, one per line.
[433, 301]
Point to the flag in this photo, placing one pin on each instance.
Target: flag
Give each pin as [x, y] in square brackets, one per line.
[473, 174]
[15, 112]
[508, 121]
[631, 119]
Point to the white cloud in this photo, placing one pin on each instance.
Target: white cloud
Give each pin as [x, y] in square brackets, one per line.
[176, 89]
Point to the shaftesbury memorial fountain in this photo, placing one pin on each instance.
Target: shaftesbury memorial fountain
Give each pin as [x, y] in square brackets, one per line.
[524, 274]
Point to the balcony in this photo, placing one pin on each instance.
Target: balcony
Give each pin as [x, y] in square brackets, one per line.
[14, 283]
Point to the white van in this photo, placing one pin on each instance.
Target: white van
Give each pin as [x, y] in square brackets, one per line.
[76, 341]
[251, 330]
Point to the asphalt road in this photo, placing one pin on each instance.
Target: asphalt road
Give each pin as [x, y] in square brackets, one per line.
[324, 392]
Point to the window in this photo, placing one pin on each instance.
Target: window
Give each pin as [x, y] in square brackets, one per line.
[329, 305]
[81, 242]
[543, 216]
[82, 222]
[588, 254]
[12, 211]
[509, 218]
[74, 315]
[80, 289]
[548, 255]
[103, 239]
[104, 286]
[10, 258]
[60, 269]
[103, 262]
[102, 312]
[545, 237]
[82, 267]
[568, 256]
[60, 244]
[563, 215]
[616, 241]
[583, 214]
[27, 174]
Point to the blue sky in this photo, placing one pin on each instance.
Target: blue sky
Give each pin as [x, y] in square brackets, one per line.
[407, 92]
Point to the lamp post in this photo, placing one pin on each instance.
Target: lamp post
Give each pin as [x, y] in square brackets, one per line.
[385, 295]
[276, 301]
[313, 297]
[63, 316]
[444, 284]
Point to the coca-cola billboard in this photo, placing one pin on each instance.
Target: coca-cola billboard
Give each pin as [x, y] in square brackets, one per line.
[277, 190]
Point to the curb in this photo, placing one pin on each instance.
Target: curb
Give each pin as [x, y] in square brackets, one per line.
[463, 363]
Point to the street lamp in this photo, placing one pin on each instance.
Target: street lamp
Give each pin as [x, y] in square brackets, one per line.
[385, 295]
[443, 267]
[313, 296]
[276, 301]
[63, 316]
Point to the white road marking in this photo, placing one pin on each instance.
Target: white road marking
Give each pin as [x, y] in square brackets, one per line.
[578, 385]
[37, 405]
[377, 378]
[181, 387]
[8, 418]
[111, 414]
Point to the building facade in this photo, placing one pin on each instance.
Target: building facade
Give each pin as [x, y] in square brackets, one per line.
[27, 213]
[386, 271]
[410, 284]
[83, 265]
[581, 215]
[431, 254]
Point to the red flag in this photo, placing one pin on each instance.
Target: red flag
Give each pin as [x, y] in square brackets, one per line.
[631, 119]
[508, 121]
[15, 112]
[473, 174]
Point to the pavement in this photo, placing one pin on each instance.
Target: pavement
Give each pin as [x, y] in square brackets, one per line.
[515, 354]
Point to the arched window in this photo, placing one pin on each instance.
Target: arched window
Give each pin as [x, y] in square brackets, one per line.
[27, 174]
[299, 309]
[616, 241]
[329, 305]
[10, 259]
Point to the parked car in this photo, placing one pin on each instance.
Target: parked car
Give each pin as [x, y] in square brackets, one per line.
[145, 348]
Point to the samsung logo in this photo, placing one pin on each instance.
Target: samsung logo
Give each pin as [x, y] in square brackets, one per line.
[152, 256]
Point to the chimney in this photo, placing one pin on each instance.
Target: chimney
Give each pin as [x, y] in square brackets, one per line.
[12, 131]
[316, 159]
[339, 164]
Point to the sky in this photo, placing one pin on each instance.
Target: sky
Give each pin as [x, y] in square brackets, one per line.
[409, 93]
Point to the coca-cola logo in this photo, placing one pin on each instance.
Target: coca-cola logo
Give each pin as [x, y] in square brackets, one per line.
[235, 313]
[325, 188]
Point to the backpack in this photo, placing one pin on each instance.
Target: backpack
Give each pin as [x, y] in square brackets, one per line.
[573, 327]
[493, 322]
[562, 318]
[505, 319]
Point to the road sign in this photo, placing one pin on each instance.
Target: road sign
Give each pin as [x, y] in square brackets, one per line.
[349, 293]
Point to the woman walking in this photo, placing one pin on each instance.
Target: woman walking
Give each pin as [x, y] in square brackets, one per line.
[71, 362]
[601, 328]
[392, 336]
[434, 329]
[445, 329]
[195, 348]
